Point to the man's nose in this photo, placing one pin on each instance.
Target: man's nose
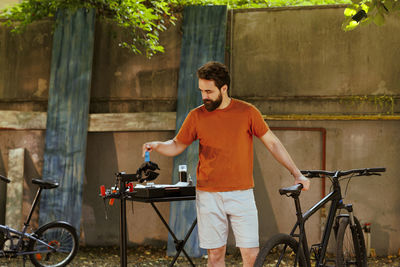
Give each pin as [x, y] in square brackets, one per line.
[205, 96]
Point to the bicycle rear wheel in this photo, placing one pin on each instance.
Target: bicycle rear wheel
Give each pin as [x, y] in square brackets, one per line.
[60, 236]
[280, 250]
[350, 245]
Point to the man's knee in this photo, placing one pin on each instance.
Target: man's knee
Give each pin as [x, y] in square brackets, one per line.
[249, 255]
[216, 256]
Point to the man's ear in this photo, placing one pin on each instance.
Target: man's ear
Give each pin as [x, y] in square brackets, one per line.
[224, 88]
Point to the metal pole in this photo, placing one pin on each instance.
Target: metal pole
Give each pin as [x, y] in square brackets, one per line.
[122, 226]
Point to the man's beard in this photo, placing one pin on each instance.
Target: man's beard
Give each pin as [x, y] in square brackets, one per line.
[211, 105]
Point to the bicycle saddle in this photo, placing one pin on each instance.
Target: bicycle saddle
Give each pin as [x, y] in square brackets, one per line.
[5, 179]
[294, 189]
[45, 184]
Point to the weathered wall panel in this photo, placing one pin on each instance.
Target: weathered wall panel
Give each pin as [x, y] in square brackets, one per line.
[15, 190]
[297, 52]
[25, 67]
[125, 82]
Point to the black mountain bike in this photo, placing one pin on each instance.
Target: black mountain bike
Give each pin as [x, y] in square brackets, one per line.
[293, 250]
[53, 244]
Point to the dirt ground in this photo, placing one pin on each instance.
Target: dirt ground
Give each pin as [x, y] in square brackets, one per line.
[150, 256]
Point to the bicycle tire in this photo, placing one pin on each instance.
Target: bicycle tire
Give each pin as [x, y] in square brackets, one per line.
[350, 245]
[277, 246]
[59, 234]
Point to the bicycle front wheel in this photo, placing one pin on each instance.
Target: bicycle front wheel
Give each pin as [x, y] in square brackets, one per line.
[280, 250]
[61, 245]
[350, 245]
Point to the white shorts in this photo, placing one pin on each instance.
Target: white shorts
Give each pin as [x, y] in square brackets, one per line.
[214, 209]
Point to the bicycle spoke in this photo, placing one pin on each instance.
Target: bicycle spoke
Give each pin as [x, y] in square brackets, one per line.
[59, 248]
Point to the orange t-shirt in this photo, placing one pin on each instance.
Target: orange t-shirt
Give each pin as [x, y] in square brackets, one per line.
[225, 144]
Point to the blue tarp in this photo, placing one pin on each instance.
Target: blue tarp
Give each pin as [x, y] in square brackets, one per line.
[67, 116]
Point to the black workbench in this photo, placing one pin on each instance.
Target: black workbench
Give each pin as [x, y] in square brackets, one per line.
[179, 244]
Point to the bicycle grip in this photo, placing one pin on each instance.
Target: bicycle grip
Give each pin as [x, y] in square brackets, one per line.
[377, 169]
[4, 179]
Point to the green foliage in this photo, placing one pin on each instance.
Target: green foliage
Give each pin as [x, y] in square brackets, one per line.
[146, 19]
[376, 11]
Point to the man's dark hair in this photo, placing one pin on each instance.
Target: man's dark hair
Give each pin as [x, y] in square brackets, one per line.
[216, 72]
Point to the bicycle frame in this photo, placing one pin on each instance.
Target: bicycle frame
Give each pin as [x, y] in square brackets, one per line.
[7, 230]
[57, 240]
[281, 247]
[336, 203]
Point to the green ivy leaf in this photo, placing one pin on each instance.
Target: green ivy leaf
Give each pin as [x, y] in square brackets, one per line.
[365, 7]
[349, 12]
[352, 25]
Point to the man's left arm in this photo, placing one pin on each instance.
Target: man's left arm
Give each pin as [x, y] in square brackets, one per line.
[280, 153]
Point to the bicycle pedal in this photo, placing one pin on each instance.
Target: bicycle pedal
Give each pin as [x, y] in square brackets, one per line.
[314, 250]
[316, 245]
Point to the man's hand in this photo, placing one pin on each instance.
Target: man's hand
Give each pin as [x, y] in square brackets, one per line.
[149, 147]
[170, 148]
[304, 181]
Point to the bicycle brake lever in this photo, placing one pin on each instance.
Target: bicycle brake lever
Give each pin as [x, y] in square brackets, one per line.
[310, 174]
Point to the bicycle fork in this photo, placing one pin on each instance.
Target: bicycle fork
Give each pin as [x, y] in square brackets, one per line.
[349, 208]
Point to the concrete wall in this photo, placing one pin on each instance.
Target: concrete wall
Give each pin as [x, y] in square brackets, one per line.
[123, 82]
[25, 67]
[302, 54]
[285, 61]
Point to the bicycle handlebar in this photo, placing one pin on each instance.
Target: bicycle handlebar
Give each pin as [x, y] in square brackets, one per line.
[4, 179]
[359, 172]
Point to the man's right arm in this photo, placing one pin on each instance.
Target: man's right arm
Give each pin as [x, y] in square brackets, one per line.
[169, 148]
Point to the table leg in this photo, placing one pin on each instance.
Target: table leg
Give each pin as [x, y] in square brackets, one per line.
[179, 244]
[122, 235]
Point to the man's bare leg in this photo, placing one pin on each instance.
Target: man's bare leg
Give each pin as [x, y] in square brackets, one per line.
[249, 256]
[216, 257]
